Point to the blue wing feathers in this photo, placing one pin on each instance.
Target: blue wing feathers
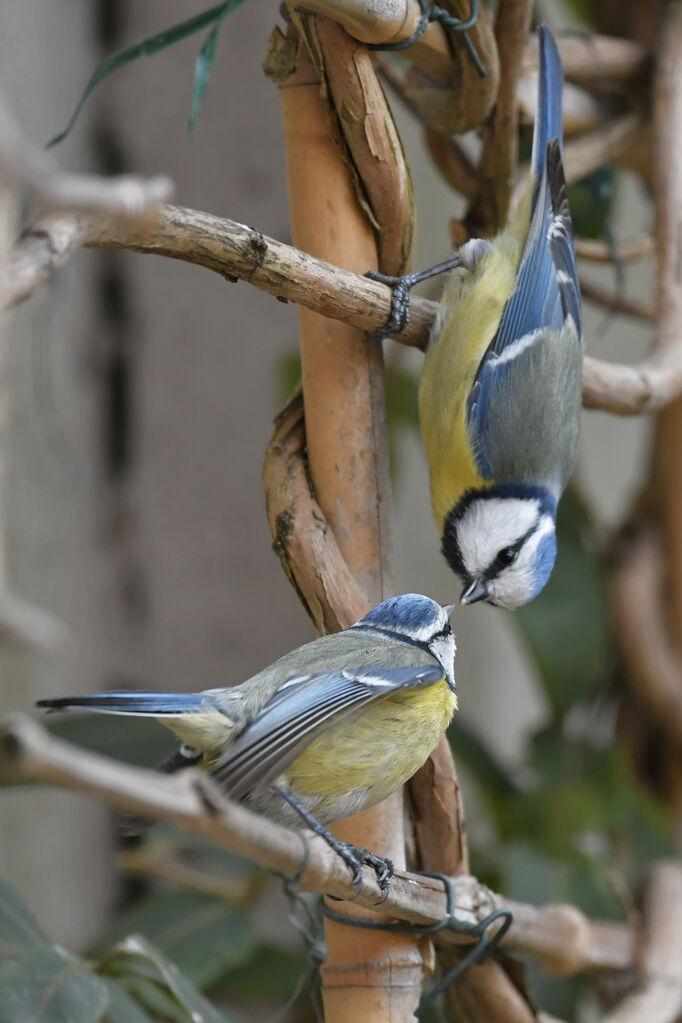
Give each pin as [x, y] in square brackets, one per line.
[278, 734]
[549, 122]
[127, 702]
[546, 290]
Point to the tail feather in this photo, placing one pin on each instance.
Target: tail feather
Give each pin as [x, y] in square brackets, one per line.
[549, 121]
[140, 704]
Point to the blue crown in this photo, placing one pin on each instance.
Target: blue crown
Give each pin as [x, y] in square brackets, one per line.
[410, 613]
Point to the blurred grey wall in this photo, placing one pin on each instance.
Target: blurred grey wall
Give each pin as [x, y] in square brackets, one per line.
[142, 392]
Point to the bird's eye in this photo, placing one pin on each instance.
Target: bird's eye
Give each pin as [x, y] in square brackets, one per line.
[507, 555]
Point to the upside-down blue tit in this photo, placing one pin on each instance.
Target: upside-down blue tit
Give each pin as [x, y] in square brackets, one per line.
[500, 392]
[324, 732]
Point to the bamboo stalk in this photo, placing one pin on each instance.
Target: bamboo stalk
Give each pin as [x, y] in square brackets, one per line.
[367, 975]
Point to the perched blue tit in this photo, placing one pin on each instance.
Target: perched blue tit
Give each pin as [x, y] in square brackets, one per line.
[327, 730]
[500, 392]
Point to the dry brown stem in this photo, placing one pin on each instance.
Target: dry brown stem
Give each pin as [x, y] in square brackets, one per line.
[453, 162]
[29, 171]
[461, 100]
[234, 250]
[438, 814]
[668, 207]
[364, 129]
[603, 62]
[616, 303]
[486, 992]
[391, 21]
[20, 621]
[626, 252]
[654, 667]
[497, 162]
[658, 997]
[303, 541]
[28, 753]
[610, 142]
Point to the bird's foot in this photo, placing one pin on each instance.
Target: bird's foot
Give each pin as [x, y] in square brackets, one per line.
[399, 316]
[400, 297]
[353, 857]
[383, 868]
[356, 859]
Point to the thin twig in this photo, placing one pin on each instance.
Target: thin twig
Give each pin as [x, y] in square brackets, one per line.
[236, 251]
[658, 998]
[654, 667]
[627, 252]
[560, 936]
[452, 161]
[28, 169]
[586, 153]
[166, 866]
[499, 151]
[616, 303]
[604, 62]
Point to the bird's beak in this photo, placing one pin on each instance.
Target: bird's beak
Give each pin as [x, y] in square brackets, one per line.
[475, 591]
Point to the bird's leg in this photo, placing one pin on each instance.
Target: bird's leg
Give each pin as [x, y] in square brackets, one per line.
[179, 759]
[400, 298]
[353, 857]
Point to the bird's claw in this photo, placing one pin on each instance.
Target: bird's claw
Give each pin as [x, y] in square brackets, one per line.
[400, 302]
[356, 859]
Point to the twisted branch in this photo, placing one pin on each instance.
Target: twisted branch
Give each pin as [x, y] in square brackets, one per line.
[560, 936]
[236, 251]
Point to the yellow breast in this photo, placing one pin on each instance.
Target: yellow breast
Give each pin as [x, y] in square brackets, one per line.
[377, 749]
[474, 303]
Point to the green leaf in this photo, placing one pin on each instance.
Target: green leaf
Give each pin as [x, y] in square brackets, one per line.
[47, 985]
[137, 948]
[123, 1008]
[567, 626]
[17, 923]
[202, 71]
[147, 47]
[154, 997]
[271, 973]
[201, 934]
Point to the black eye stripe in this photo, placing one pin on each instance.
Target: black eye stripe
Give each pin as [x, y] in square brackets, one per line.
[499, 564]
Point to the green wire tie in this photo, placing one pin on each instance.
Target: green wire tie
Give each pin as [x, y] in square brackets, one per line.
[479, 954]
[430, 12]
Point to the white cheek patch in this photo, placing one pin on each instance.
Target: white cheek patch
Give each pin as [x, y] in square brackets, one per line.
[515, 585]
[444, 647]
[488, 526]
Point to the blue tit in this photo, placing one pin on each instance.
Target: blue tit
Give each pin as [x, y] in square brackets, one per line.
[500, 392]
[327, 730]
